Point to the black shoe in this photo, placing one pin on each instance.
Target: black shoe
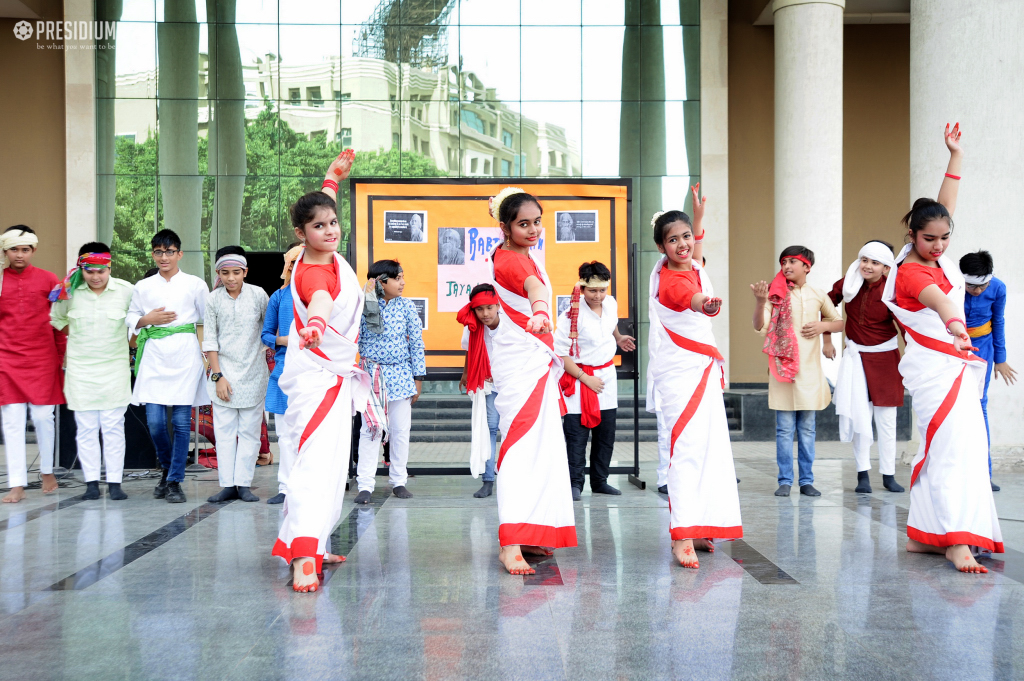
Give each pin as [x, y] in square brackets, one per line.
[737, 481]
[995, 487]
[174, 493]
[92, 490]
[863, 483]
[889, 482]
[225, 494]
[363, 497]
[605, 488]
[783, 490]
[485, 490]
[577, 494]
[115, 491]
[401, 492]
[160, 491]
[663, 489]
[245, 495]
[808, 490]
[277, 498]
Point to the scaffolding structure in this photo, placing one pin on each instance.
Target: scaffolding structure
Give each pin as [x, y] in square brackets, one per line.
[413, 32]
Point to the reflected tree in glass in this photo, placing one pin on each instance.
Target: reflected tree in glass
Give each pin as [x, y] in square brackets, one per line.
[106, 77]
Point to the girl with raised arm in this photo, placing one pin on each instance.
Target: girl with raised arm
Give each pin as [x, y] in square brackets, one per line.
[323, 383]
[952, 511]
[534, 497]
[688, 372]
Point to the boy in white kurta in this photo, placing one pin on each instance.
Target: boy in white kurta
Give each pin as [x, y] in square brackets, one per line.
[238, 380]
[92, 306]
[587, 338]
[169, 369]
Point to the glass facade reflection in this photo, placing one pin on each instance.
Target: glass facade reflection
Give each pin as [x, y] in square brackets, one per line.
[213, 116]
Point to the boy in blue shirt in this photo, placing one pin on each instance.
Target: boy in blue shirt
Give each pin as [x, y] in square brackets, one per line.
[984, 306]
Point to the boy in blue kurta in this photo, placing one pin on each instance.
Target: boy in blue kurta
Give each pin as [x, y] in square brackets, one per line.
[984, 308]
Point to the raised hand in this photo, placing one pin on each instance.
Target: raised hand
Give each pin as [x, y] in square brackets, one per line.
[341, 166]
[698, 204]
[953, 139]
[760, 290]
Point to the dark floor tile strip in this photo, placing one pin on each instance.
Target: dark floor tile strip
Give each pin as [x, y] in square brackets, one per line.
[1009, 564]
[105, 567]
[18, 519]
[348, 531]
[756, 565]
[547, 572]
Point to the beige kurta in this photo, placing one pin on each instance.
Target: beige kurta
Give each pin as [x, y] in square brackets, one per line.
[809, 389]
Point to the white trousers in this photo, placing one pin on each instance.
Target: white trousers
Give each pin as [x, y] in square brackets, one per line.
[90, 424]
[664, 448]
[14, 419]
[885, 424]
[399, 423]
[238, 443]
[285, 453]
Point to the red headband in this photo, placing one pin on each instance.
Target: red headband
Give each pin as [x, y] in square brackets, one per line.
[797, 257]
[483, 298]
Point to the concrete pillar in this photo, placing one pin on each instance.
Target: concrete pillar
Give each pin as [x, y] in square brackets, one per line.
[809, 132]
[965, 65]
[714, 156]
[80, 134]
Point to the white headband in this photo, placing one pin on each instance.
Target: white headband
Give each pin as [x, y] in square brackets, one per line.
[13, 239]
[231, 260]
[977, 281]
[873, 250]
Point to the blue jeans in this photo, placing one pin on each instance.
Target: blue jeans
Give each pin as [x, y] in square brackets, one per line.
[492, 425]
[786, 422]
[172, 453]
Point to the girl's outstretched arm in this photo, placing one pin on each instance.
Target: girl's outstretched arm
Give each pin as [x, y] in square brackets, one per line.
[951, 185]
[698, 227]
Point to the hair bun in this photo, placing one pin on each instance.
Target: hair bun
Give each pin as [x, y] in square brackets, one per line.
[499, 198]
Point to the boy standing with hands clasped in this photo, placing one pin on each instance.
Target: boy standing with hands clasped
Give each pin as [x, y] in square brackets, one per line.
[92, 306]
[791, 314]
[232, 329]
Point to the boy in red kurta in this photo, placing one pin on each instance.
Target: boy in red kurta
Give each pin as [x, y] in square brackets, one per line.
[869, 382]
[31, 352]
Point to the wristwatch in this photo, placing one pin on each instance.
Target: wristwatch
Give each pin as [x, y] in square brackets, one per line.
[216, 377]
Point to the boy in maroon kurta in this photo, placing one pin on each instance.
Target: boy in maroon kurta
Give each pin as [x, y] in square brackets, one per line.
[869, 382]
[31, 351]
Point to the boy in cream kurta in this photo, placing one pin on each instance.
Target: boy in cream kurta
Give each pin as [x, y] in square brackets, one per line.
[792, 314]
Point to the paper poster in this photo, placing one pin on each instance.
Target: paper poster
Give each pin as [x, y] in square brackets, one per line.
[576, 226]
[408, 227]
[462, 262]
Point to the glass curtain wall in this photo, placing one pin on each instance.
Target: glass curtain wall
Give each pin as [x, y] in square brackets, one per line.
[213, 116]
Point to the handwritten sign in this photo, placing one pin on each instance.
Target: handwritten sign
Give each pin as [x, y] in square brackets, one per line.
[454, 282]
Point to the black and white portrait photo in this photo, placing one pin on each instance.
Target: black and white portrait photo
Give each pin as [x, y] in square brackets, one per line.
[421, 310]
[576, 225]
[562, 304]
[405, 227]
[451, 246]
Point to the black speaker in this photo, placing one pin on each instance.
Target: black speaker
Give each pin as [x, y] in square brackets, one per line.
[139, 452]
[265, 270]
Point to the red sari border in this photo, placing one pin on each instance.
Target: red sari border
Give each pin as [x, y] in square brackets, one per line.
[706, 532]
[954, 538]
[528, 534]
[302, 547]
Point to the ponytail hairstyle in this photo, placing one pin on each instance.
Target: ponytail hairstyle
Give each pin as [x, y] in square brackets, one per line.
[305, 208]
[663, 220]
[923, 212]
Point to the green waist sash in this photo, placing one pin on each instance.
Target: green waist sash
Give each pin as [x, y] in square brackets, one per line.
[153, 332]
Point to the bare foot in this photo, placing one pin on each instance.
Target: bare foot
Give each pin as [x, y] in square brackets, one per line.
[960, 556]
[704, 545]
[512, 558]
[918, 547]
[331, 558]
[49, 483]
[14, 496]
[536, 551]
[304, 577]
[682, 549]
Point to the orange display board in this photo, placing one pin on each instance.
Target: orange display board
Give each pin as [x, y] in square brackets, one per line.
[441, 232]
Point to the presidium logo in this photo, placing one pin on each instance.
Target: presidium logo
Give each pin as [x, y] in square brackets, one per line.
[60, 31]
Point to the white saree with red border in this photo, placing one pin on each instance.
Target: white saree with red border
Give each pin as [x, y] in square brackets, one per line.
[532, 471]
[324, 387]
[951, 498]
[687, 370]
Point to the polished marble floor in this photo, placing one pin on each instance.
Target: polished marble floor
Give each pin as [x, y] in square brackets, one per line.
[817, 589]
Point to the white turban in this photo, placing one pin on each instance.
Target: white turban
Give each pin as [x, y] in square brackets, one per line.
[977, 281]
[872, 250]
[13, 239]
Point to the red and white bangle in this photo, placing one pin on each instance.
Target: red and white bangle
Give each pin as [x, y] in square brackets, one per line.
[954, 319]
[708, 314]
[330, 183]
[699, 239]
[317, 323]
